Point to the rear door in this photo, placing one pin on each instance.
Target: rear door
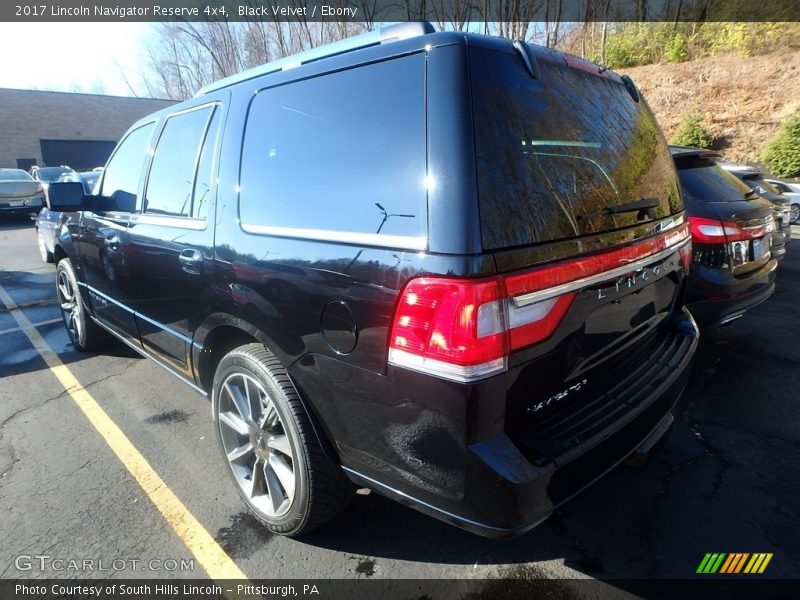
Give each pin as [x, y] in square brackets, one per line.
[581, 208]
[171, 235]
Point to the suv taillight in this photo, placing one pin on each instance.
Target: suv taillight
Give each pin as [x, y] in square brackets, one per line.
[723, 244]
[464, 329]
[712, 231]
[453, 328]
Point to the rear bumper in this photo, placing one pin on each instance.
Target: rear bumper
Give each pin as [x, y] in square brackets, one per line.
[507, 490]
[716, 297]
[30, 206]
[780, 239]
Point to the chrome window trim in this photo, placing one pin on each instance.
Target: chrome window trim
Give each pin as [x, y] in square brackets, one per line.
[377, 240]
[198, 224]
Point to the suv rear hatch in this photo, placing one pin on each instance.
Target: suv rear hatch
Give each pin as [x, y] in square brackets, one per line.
[580, 206]
[731, 224]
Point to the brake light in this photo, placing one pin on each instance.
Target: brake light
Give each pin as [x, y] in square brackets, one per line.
[712, 231]
[464, 329]
[456, 321]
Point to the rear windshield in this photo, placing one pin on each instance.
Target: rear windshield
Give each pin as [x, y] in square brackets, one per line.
[51, 173]
[757, 180]
[703, 181]
[14, 175]
[555, 153]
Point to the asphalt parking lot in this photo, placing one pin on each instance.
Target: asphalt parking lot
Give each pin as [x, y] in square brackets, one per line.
[725, 479]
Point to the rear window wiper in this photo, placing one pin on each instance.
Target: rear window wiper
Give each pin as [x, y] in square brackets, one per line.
[645, 207]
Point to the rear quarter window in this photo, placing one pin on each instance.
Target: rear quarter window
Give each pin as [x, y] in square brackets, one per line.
[343, 153]
[552, 153]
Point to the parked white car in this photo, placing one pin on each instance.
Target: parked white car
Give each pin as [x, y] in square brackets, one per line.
[791, 191]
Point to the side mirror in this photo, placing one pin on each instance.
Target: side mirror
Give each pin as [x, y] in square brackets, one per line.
[67, 197]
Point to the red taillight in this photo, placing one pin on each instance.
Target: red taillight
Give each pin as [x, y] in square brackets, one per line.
[39, 190]
[459, 321]
[712, 231]
[464, 329]
[536, 322]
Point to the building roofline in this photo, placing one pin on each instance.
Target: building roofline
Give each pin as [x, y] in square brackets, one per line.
[27, 91]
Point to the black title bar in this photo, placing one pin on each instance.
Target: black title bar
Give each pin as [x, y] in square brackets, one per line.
[447, 13]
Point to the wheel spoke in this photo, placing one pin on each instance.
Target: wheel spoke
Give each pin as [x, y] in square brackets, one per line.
[256, 480]
[270, 414]
[76, 322]
[239, 452]
[234, 422]
[254, 407]
[274, 488]
[239, 401]
[284, 473]
[281, 444]
[66, 292]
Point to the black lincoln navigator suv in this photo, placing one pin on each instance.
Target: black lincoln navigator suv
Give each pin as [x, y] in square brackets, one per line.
[443, 266]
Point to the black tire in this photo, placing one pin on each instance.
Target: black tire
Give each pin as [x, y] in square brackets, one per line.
[319, 489]
[84, 333]
[795, 214]
[46, 255]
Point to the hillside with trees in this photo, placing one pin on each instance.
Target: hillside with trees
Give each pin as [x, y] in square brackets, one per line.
[740, 102]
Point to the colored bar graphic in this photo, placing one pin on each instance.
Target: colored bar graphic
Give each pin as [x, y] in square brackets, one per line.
[733, 563]
[727, 564]
[755, 562]
[740, 564]
[703, 563]
[765, 563]
[718, 563]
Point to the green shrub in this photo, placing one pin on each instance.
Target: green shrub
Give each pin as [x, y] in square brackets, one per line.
[677, 48]
[692, 133]
[782, 152]
[625, 49]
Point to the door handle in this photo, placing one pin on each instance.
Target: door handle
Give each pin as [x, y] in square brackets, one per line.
[112, 242]
[191, 261]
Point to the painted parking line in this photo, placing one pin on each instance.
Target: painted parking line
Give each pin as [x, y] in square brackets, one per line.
[33, 325]
[200, 543]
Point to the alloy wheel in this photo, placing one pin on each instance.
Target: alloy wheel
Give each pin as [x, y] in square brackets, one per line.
[795, 214]
[70, 305]
[257, 445]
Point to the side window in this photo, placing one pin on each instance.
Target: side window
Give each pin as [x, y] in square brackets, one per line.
[122, 173]
[172, 173]
[206, 170]
[343, 152]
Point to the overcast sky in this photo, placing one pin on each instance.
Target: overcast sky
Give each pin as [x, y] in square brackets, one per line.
[73, 57]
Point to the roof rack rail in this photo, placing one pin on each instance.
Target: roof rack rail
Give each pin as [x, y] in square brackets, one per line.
[391, 33]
